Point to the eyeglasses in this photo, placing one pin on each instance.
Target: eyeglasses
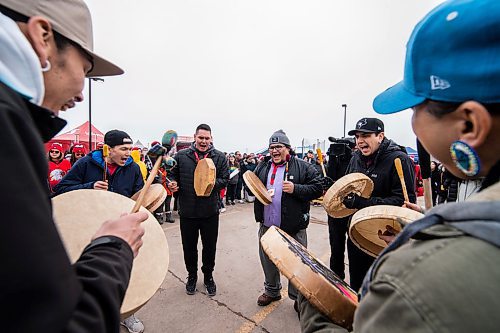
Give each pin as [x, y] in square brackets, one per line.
[54, 151]
[277, 147]
[79, 154]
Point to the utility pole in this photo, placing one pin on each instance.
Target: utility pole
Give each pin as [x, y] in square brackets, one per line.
[90, 108]
[345, 115]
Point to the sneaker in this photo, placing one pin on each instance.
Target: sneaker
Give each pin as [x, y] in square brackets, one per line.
[264, 299]
[169, 218]
[211, 287]
[191, 284]
[133, 324]
[159, 218]
[232, 203]
[241, 201]
[222, 210]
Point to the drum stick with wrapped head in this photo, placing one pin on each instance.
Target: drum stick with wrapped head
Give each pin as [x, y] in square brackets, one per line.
[425, 166]
[159, 151]
[287, 158]
[320, 160]
[399, 169]
[105, 153]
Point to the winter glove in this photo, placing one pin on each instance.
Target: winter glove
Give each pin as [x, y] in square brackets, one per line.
[354, 201]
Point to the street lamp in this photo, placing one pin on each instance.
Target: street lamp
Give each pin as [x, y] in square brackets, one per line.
[98, 79]
[345, 114]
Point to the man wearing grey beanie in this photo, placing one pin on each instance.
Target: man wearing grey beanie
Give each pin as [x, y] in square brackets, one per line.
[292, 183]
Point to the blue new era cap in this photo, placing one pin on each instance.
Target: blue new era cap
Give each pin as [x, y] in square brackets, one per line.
[453, 55]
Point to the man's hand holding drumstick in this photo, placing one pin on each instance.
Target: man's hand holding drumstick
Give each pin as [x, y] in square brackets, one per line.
[127, 227]
[101, 185]
[159, 151]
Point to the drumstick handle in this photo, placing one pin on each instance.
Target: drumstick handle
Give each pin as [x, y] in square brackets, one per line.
[320, 159]
[427, 193]
[399, 169]
[149, 181]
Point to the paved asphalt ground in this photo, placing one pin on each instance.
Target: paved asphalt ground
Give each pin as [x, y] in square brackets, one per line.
[239, 280]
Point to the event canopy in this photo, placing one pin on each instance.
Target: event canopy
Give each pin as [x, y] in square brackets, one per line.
[79, 135]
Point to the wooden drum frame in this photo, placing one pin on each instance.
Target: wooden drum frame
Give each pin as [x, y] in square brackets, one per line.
[314, 280]
[366, 223]
[79, 214]
[356, 182]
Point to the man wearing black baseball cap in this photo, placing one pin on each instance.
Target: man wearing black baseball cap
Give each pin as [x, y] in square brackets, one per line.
[123, 175]
[375, 158]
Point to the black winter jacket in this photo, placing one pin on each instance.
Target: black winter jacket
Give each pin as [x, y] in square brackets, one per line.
[190, 205]
[41, 291]
[387, 186]
[126, 180]
[295, 206]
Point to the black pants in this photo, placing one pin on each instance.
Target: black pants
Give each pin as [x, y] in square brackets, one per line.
[337, 229]
[359, 263]
[165, 206]
[230, 192]
[191, 228]
[239, 186]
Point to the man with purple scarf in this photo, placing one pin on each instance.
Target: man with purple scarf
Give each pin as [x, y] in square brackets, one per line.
[292, 183]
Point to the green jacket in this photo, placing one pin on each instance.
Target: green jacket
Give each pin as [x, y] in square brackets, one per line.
[444, 282]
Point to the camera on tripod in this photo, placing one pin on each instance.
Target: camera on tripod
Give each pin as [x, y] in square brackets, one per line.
[339, 155]
[340, 147]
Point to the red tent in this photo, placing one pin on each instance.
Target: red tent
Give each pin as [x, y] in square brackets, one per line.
[80, 135]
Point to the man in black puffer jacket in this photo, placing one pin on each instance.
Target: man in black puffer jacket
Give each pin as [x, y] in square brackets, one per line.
[123, 175]
[199, 215]
[292, 183]
[375, 158]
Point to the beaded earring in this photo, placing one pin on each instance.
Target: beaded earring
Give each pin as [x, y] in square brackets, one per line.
[465, 158]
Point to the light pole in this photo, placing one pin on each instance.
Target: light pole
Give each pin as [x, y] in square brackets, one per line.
[90, 107]
[345, 115]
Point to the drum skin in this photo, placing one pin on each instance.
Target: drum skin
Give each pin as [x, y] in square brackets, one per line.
[316, 282]
[356, 182]
[153, 199]
[365, 224]
[79, 214]
[258, 189]
[204, 177]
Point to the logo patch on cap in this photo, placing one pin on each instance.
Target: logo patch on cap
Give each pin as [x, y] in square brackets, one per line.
[439, 83]
[361, 123]
[274, 139]
[126, 140]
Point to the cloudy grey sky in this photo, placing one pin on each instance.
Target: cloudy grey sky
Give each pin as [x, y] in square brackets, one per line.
[248, 68]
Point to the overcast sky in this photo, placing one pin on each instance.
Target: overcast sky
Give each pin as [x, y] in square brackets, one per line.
[248, 68]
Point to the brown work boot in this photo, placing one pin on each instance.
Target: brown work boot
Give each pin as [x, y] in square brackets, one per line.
[264, 299]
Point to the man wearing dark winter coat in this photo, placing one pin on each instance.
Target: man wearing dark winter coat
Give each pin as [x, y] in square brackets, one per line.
[46, 55]
[375, 158]
[292, 183]
[123, 175]
[199, 215]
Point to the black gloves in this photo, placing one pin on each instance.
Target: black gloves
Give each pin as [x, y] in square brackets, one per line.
[354, 201]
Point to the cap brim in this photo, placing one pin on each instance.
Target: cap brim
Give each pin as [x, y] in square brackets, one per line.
[102, 67]
[352, 132]
[396, 98]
